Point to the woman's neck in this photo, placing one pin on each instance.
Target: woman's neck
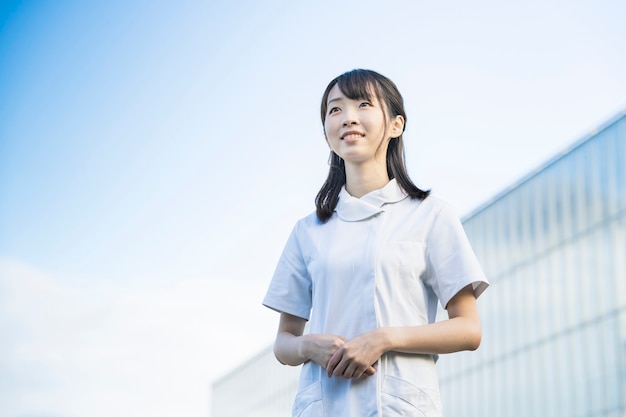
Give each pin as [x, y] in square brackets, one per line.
[361, 180]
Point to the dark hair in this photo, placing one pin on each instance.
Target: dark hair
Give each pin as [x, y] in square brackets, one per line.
[360, 84]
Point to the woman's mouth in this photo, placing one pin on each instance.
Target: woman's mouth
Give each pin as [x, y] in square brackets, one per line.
[352, 136]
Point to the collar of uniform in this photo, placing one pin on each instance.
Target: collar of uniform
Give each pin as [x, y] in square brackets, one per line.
[354, 209]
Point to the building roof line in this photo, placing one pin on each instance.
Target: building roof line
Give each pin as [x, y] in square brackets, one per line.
[541, 167]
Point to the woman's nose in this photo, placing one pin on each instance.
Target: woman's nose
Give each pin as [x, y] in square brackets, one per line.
[350, 119]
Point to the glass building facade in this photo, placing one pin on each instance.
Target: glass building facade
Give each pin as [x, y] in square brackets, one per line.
[554, 319]
[261, 387]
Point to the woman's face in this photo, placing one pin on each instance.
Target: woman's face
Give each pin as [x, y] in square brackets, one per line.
[356, 130]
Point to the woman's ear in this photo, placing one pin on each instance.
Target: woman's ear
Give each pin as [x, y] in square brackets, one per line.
[396, 126]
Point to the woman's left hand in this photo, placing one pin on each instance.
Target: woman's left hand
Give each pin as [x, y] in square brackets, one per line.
[356, 357]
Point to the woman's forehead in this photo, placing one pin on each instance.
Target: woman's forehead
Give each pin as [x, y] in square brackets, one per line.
[352, 91]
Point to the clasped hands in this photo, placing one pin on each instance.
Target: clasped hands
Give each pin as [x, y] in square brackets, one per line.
[345, 358]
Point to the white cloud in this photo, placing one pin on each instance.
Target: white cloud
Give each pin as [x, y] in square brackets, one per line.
[96, 351]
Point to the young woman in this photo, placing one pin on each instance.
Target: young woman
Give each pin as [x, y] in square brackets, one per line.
[368, 268]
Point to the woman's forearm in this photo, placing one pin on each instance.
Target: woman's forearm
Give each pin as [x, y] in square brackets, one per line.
[292, 349]
[461, 331]
[288, 349]
[453, 335]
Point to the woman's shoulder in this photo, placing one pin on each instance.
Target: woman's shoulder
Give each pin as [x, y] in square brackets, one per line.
[308, 222]
[431, 203]
[431, 210]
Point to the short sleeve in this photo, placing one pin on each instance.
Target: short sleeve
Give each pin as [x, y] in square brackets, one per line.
[290, 290]
[451, 262]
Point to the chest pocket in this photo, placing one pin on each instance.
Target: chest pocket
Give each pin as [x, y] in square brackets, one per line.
[404, 259]
[401, 291]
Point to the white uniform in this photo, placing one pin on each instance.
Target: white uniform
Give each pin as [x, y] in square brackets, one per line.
[381, 260]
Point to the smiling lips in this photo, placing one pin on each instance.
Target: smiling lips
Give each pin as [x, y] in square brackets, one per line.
[350, 136]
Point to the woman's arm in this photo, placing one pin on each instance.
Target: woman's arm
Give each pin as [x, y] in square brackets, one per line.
[288, 344]
[292, 348]
[461, 331]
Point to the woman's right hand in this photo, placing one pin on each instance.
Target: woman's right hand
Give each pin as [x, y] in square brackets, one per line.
[293, 348]
[319, 348]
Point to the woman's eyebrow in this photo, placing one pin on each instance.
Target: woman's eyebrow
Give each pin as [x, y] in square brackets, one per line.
[334, 99]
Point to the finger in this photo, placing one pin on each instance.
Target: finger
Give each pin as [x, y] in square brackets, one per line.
[333, 362]
[351, 371]
[342, 363]
[361, 371]
[341, 369]
[364, 372]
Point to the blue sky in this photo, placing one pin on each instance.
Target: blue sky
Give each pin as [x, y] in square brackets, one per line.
[154, 157]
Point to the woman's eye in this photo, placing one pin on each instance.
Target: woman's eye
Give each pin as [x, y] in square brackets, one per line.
[365, 104]
[333, 110]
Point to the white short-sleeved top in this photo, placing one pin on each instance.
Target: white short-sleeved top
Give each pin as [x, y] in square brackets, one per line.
[381, 260]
